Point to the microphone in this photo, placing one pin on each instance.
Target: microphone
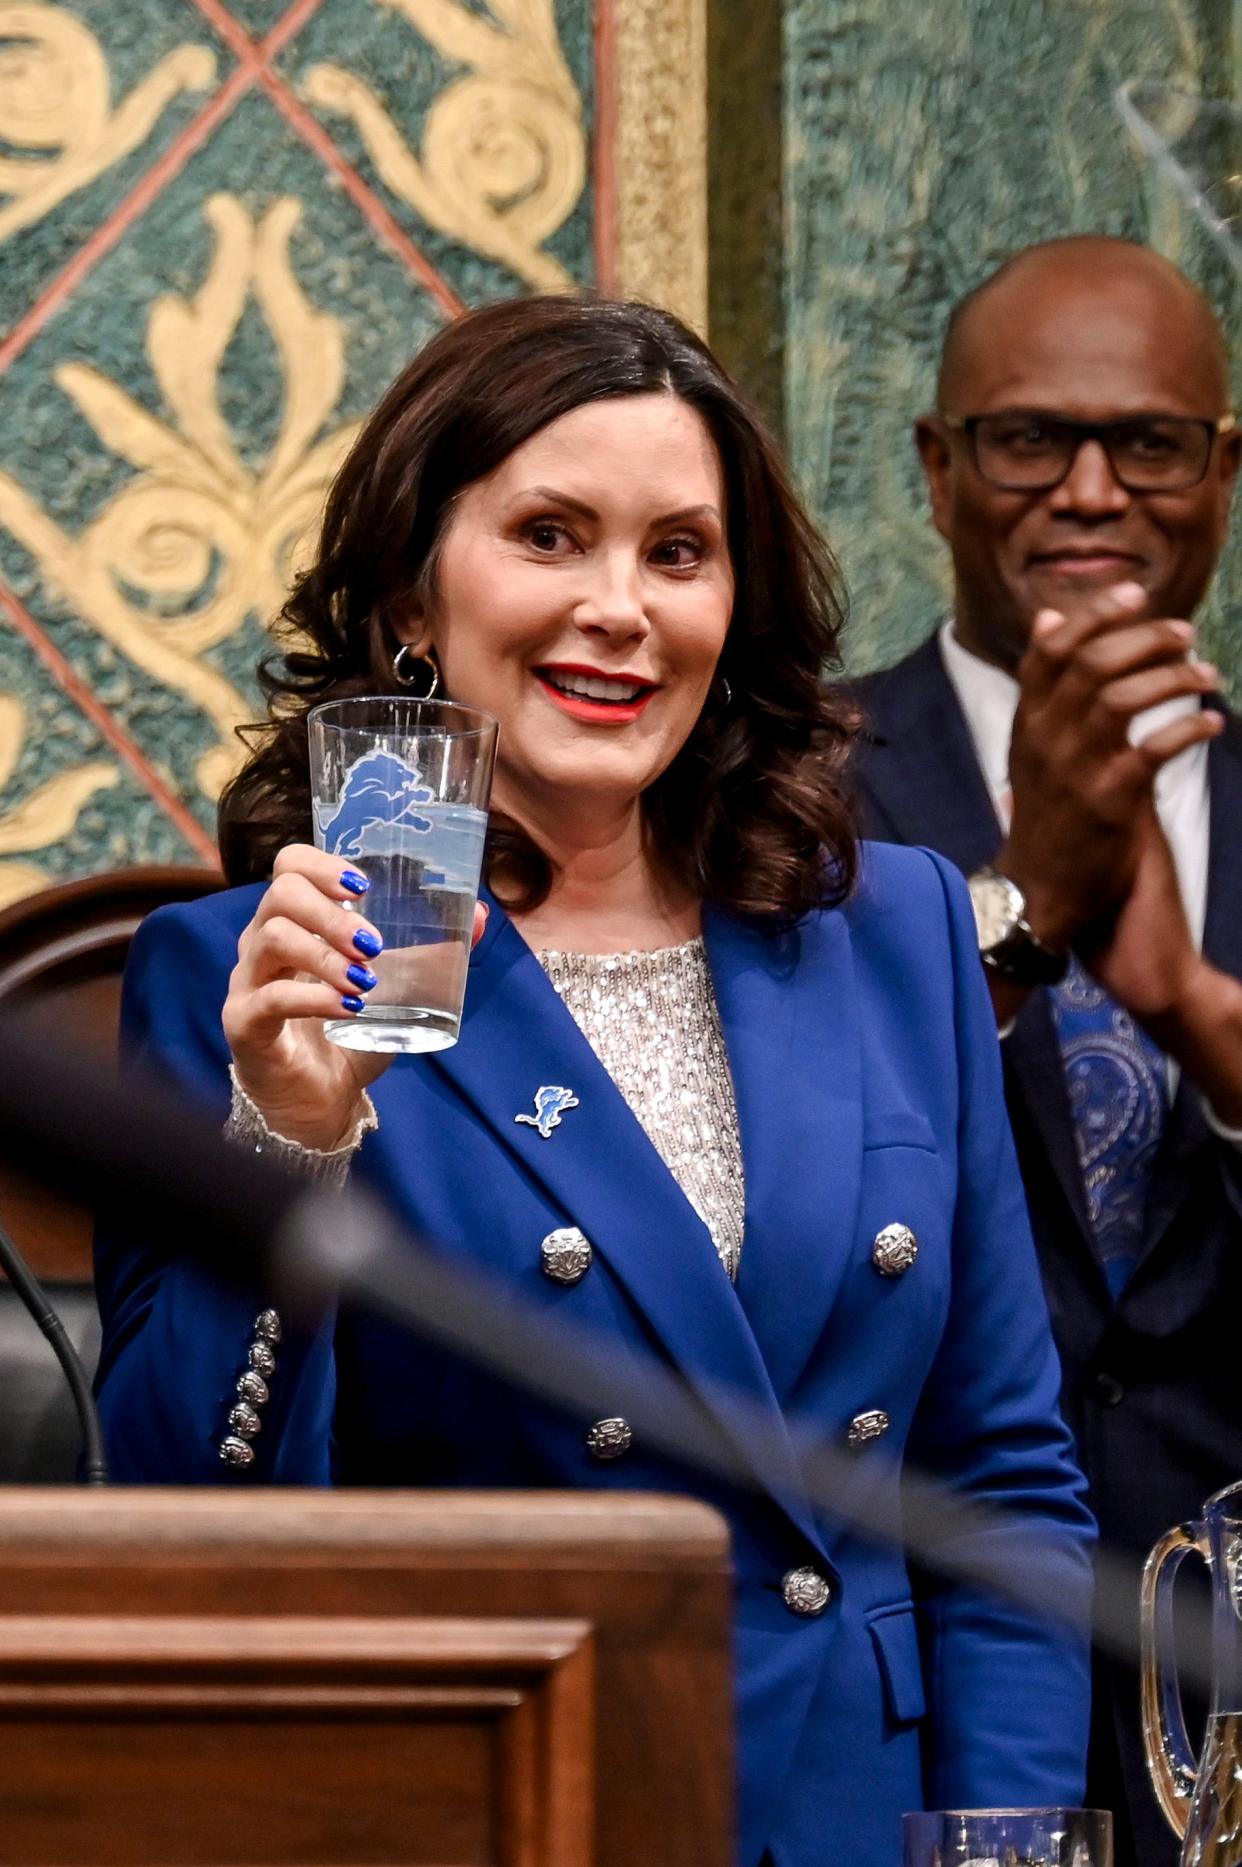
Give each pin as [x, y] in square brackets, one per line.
[37, 1302]
[276, 1235]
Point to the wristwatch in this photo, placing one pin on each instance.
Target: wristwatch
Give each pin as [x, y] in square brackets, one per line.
[1007, 943]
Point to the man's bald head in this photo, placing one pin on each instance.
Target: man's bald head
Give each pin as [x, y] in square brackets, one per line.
[1061, 280]
[1092, 332]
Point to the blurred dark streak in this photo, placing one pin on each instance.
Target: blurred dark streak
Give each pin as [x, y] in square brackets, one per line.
[136, 1146]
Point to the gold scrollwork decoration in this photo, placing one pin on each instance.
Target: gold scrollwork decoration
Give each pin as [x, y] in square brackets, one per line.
[56, 113]
[503, 159]
[173, 564]
[661, 154]
[44, 817]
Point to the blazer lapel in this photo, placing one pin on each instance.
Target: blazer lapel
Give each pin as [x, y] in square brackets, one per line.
[1187, 1130]
[598, 1164]
[1035, 1075]
[922, 771]
[918, 765]
[1222, 933]
[790, 1021]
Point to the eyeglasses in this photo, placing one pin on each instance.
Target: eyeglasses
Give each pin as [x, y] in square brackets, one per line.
[1027, 451]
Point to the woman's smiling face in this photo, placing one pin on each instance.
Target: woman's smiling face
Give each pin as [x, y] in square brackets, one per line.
[583, 595]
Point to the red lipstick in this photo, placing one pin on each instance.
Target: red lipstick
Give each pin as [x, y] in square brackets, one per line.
[591, 710]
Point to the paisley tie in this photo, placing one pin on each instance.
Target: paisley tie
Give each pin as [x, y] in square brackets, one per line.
[1118, 1090]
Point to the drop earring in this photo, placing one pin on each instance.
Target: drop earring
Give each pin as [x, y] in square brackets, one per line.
[408, 669]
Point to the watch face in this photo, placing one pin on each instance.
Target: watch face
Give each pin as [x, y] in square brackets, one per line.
[998, 908]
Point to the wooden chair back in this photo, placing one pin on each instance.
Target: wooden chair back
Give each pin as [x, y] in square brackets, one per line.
[62, 952]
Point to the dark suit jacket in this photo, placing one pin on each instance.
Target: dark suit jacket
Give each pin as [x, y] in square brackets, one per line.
[1150, 1386]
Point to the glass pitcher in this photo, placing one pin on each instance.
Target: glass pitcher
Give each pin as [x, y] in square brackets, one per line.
[1201, 1796]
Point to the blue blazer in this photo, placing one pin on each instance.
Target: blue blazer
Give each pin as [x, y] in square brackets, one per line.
[867, 1076]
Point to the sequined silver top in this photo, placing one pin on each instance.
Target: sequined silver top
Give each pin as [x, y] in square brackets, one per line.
[652, 1020]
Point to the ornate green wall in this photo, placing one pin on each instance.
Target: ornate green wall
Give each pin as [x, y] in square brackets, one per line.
[224, 225]
[922, 144]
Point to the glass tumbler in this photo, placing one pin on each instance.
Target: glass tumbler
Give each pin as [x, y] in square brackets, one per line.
[400, 788]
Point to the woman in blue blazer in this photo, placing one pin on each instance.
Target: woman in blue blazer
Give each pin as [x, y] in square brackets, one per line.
[779, 1159]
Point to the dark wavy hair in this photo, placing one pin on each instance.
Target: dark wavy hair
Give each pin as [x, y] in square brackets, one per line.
[751, 811]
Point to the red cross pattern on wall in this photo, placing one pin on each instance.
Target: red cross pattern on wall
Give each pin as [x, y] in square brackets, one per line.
[395, 226]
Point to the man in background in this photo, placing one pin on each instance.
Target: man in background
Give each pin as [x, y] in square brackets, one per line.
[1059, 739]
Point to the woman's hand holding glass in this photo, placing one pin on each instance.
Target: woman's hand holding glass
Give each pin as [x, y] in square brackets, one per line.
[300, 961]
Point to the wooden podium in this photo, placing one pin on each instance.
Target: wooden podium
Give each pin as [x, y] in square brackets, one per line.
[441, 1679]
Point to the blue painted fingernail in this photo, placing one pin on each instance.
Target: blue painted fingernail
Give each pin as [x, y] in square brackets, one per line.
[362, 977]
[368, 943]
[357, 884]
[353, 1004]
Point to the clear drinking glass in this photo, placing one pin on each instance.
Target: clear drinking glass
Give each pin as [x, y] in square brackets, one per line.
[1008, 1838]
[400, 788]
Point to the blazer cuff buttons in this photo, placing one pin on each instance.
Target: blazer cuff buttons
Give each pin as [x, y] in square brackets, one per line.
[253, 1393]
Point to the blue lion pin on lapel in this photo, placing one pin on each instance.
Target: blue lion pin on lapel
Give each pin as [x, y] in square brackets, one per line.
[550, 1104]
